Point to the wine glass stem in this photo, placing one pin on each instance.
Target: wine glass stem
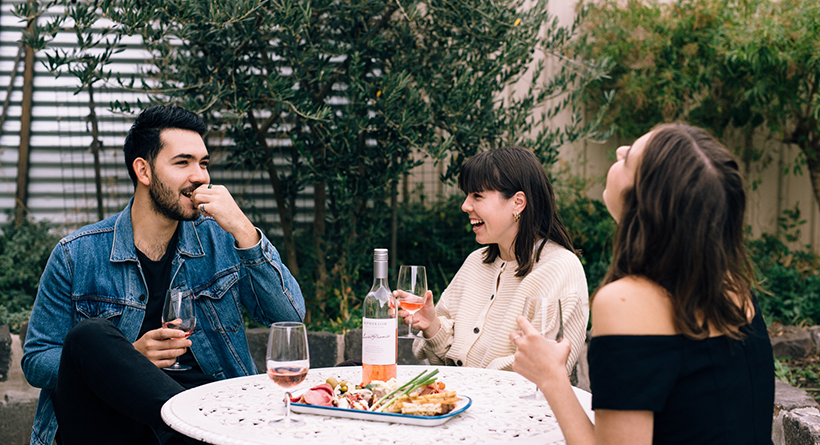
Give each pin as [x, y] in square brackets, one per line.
[410, 325]
[287, 408]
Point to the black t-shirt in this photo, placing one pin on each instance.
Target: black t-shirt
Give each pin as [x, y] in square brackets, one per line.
[158, 278]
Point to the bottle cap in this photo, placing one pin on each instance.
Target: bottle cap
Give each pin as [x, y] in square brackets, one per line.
[380, 255]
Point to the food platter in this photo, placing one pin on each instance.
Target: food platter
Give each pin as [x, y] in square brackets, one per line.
[461, 406]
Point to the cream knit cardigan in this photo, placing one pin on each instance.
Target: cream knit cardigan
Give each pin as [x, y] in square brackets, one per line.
[478, 309]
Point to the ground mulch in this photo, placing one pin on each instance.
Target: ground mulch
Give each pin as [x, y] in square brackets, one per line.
[805, 373]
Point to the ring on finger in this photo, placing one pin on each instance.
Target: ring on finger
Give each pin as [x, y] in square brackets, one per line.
[210, 185]
[202, 208]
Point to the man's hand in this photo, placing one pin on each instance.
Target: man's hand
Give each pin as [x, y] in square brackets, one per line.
[216, 201]
[162, 346]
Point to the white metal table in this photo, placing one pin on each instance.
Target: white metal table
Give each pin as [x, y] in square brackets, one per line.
[237, 412]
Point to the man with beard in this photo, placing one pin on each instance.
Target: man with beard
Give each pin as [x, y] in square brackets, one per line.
[95, 341]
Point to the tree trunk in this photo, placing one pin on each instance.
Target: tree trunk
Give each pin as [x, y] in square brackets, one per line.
[285, 211]
[319, 213]
[95, 150]
[21, 201]
[812, 153]
[285, 219]
[394, 224]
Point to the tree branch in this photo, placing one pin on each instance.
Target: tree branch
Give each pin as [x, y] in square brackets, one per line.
[340, 70]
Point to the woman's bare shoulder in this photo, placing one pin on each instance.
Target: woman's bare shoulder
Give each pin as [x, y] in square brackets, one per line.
[632, 306]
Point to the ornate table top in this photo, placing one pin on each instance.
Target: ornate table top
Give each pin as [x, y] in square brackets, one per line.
[237, 411]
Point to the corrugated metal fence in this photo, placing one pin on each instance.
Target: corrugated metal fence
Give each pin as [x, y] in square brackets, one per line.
[61, 174]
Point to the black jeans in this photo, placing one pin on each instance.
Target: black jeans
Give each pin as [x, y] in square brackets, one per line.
[108, 393]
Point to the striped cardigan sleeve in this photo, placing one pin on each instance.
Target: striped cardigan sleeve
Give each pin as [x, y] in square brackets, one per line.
[564, 280]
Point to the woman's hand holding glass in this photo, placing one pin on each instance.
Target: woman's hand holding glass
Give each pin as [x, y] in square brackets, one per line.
[411, 293]
[538, 359]
[424, 319]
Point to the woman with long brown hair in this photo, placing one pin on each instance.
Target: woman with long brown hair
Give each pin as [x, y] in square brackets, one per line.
[511, 206]
[680, 352]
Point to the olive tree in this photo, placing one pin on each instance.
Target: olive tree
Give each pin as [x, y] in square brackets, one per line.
[341, 96]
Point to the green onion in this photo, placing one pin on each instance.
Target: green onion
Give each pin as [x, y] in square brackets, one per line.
[386, 396]
[419, 381]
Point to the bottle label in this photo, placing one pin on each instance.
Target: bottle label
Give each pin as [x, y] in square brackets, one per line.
[379, 341]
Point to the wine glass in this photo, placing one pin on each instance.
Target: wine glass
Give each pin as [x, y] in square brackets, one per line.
[412, 290]
[539, 306]
[288, 362]
[178, 313]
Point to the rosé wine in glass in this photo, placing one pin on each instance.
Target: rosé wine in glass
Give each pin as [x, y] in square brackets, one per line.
[411, 306]
[286, 376]
[411, 291]
[287, 362]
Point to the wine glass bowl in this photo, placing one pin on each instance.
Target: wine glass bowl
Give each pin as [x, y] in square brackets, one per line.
[411, 292]
[178, 313]
[287, 362]
[410, 303]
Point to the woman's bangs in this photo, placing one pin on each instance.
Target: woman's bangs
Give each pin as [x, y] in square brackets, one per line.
[479, 175]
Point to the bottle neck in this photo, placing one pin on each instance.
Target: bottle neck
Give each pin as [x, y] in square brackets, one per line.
[379, 271]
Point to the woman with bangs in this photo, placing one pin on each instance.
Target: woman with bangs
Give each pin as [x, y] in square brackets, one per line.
[511, 207]
[679, 352]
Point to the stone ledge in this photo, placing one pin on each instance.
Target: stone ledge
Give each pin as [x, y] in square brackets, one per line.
[326, 348]
[18, 401]
[793, 342]
[796, 419]
[787, 398]
[16, 417]
[802, 427]
[5, 352]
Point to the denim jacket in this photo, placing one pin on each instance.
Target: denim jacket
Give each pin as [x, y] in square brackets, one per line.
[94, 273]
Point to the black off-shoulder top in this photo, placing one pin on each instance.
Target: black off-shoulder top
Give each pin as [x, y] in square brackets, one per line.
[712, 391]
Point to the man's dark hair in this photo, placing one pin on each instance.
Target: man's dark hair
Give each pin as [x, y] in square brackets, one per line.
[509, 170]
[143, 139]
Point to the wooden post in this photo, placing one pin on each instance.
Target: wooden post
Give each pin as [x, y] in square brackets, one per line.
[21, 197]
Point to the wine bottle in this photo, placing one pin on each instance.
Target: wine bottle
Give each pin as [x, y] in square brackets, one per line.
[379, 326]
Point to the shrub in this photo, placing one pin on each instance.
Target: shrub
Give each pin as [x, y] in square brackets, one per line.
[789, 281]
[24, 251]
[435, 234]
[438, 236]
[592, 229]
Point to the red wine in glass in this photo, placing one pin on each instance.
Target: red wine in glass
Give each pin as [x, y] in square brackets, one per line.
[178, 313]
[185, 326]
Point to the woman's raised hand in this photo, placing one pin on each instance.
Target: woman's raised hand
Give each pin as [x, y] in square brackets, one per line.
[539, 360]
[425, 319]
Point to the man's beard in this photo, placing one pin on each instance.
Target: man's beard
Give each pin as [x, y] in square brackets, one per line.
[166, 202]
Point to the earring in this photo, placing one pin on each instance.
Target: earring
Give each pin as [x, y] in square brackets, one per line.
[516, 216]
